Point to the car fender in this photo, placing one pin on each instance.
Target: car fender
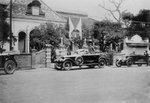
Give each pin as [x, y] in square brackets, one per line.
[6, 58]
[68, 59]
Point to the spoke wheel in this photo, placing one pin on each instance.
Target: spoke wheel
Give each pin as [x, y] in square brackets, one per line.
[101, 63]
[9, 67]
[67, 65]
[79, 61]
[118, 63]
[129, 62]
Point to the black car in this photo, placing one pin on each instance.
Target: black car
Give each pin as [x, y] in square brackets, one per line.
[124, 62]
[8, 63]
[132, 60]
[68, 61]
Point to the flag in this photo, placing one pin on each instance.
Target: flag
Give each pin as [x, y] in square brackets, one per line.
[71, 27]
[79, 27]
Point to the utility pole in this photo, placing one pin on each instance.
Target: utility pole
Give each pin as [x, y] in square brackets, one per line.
[10, 16]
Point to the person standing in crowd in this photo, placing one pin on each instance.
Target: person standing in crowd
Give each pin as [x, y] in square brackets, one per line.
[146, 57]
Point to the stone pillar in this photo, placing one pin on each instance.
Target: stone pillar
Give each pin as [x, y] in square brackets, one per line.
[27, 43]
[48, 56]
[111, 48]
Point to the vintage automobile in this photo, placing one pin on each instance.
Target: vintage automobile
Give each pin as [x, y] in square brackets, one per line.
[124, 62]
[131, 60]
[66, 62]
[8, 63]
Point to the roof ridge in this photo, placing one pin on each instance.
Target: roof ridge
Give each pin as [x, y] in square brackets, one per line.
[77, 12]
[52, 9]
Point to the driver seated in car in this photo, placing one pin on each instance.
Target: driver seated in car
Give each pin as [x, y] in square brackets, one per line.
[91, 49]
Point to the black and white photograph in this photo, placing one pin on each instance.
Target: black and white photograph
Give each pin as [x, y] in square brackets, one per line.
[74, 51]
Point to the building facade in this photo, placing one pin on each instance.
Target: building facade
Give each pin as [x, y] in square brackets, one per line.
[26, 15]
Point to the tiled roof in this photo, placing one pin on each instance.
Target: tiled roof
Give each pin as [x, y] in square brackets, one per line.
[67, 12]
[88, 22]
[20, 10]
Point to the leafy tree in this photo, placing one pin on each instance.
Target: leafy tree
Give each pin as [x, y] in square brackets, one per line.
[107, 33]
[86, 31]
[127, 17]
[4, 27]
[47, 34]
[139, 24]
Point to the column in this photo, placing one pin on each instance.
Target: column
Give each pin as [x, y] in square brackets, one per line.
[48, 56]
[27, 43]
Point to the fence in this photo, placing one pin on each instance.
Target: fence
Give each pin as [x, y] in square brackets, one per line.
[43, 58]
[24, 61]
[39, 59]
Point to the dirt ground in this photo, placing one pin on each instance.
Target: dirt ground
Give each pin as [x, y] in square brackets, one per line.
[107, 85]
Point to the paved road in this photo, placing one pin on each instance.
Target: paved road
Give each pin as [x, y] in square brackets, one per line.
[109, 85]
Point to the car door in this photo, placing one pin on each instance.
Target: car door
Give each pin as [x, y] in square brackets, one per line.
[90, 58]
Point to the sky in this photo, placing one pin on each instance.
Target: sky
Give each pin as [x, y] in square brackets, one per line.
[93, 10]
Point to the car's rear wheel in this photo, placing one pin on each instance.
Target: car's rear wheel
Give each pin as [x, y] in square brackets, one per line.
[101, 63]
[129, 62]
[118, 63]
[67, 65]
[10, 67]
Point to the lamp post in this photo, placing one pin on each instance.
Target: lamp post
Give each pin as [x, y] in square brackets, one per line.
[10, 16]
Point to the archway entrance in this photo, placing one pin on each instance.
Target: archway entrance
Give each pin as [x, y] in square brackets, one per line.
[22, 42]
[35, 40]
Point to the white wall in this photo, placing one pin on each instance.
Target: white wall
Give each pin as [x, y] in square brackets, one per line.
[25, 25]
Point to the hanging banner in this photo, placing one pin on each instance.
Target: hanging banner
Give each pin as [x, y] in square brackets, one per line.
[71, 28]
[79, 28]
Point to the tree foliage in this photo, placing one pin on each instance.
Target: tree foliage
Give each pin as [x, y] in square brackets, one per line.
[86, 33]
[47, 34]
[4, 27]
[107, 33]
[139, 24]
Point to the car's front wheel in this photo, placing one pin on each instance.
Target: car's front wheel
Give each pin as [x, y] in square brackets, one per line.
[79, 61]
[118, 63]
[101, 63]
[10, 67]
[67, 65]
[129, 62]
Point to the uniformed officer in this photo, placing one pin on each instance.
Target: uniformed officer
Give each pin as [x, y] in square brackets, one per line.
[146, 57]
